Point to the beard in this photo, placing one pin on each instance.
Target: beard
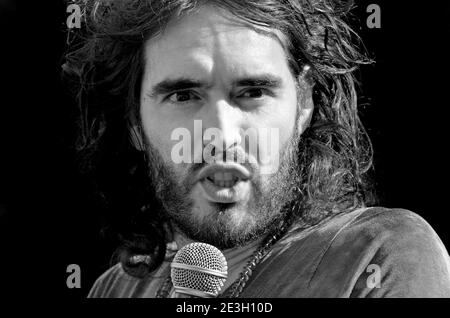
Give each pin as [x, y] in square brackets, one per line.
[262, 214]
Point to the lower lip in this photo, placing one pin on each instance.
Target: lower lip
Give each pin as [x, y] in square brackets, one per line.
[237, 192]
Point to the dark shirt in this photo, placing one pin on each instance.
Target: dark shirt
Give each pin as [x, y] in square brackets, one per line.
[371, 252]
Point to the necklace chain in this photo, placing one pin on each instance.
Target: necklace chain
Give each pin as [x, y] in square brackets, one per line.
[238, 286]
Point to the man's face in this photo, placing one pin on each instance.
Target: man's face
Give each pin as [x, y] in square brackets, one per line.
[204, 72]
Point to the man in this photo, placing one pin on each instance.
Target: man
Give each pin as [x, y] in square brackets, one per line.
[245, 118]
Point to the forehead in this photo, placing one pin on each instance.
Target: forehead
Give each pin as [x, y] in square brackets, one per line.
[202, 42]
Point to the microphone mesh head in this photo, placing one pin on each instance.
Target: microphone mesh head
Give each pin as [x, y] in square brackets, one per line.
[202, 263]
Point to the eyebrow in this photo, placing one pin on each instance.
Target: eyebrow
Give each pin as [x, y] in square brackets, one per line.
[172, 85]
[266, 80]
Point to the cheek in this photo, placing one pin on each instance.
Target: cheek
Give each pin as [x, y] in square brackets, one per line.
[271, 145]
[158, 135]
[285, 121]
[274, 132]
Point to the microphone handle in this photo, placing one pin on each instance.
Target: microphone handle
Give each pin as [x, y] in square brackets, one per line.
[181, 295]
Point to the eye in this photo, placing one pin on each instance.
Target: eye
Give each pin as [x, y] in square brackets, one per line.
[254, 93]
[182, 97]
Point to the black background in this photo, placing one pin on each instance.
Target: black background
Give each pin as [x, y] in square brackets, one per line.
[48, 217]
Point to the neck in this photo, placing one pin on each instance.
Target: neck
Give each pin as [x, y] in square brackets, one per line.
[237, 258]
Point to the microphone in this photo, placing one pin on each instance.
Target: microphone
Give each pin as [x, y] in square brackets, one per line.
[199, 270]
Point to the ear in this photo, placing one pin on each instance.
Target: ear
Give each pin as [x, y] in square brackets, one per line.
[305, 102]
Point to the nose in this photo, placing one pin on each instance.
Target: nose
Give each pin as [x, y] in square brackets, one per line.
[222, 124]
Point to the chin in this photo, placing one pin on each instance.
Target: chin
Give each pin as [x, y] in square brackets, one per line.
[236, 211]
[221, 224]
[232, 216]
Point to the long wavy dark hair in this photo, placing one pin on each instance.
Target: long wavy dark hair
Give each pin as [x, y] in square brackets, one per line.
[104, 67]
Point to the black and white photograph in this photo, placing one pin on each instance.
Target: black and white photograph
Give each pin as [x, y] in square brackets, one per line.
[214, 149]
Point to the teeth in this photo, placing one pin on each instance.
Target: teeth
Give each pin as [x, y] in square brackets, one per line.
[224, 179]
[224, 184]
[228, 176]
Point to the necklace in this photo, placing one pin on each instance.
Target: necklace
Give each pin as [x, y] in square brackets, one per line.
[238, 286]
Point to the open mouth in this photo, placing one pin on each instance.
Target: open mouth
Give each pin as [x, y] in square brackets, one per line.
[225, 183]
[223, 179]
